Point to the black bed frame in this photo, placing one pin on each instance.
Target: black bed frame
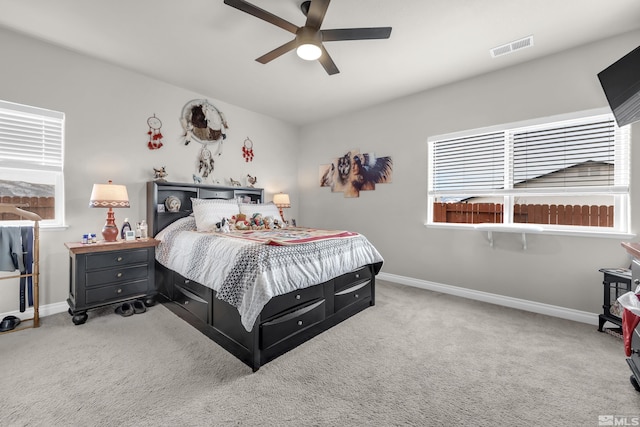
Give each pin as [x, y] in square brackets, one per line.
[285, 322]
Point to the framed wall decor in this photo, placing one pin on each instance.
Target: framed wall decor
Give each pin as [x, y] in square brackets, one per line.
[354, 172]
[202, 122]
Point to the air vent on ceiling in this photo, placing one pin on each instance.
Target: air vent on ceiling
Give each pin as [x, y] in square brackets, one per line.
[512, 46]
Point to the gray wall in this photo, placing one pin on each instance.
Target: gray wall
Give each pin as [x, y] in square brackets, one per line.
[106, 111]
[556, 270]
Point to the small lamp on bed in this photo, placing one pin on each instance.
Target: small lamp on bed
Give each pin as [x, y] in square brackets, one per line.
[281, 200]
[109, 196]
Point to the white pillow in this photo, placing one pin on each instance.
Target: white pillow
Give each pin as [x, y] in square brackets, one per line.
[210, 211]
[266, 209]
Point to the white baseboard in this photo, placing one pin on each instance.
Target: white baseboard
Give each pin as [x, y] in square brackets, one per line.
[521, 304]
[45, 310]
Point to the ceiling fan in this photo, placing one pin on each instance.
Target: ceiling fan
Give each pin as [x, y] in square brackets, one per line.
[309, 38]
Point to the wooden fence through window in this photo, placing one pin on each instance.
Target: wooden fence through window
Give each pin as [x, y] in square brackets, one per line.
[477, 213]
[43, 206]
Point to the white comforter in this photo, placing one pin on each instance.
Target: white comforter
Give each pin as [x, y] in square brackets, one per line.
[247, 274]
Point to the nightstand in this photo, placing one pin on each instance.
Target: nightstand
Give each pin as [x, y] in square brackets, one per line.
[106, 273]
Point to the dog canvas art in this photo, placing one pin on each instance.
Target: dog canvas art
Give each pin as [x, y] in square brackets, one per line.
[354, 172]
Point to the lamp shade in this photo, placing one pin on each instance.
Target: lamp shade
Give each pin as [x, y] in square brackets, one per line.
[281, 200]
[109, 196]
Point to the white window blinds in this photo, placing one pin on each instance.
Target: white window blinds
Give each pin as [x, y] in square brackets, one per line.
[577, 153]
[587, 154]
[30, 137]
[471, 163]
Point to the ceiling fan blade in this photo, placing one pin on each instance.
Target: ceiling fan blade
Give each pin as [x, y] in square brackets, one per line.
[317, 10]
[262, 14]
[355, 34]
[328, 64]
[277, 52]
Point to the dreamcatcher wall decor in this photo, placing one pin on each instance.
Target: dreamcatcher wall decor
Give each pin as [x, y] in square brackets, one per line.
[247, 150]
[155, 136]
[204, 123]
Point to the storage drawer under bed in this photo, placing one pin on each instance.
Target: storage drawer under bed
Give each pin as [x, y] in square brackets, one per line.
[290, 300]
[193, 297]
[355, 293]
[356, 276]
[276, 330]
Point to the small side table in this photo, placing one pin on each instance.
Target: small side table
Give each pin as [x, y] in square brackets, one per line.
[616, 281]
[105, 273]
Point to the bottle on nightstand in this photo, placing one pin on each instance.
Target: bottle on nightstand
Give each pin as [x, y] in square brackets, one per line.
[144, 229]
[125, 227]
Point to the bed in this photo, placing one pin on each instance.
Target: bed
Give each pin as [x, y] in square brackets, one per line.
[258, 291]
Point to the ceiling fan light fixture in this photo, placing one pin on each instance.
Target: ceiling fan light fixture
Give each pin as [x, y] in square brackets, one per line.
[308, 41]
[310, 37]
[309, 51]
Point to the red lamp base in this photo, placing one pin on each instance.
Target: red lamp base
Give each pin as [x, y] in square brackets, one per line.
[110, 230]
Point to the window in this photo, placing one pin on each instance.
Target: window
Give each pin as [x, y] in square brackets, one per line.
[31, 160]
[561, 173]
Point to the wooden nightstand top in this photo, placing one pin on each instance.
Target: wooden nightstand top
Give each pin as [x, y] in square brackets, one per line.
[102, 246]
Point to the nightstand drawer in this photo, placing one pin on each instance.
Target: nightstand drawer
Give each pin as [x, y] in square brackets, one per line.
[351, 278]
[351, 295]
[123, 290]
[115, 275]
[116, 258]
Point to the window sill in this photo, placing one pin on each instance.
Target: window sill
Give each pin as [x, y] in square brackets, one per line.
[54, 227]
[529, 229]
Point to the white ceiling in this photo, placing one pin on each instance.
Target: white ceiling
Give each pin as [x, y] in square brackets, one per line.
[210, 48]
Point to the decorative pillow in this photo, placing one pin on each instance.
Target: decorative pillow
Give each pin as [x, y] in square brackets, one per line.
[265, 209]
[208, 212]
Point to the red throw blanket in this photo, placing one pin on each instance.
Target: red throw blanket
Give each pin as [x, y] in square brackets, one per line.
[289, 236]
[629, 323]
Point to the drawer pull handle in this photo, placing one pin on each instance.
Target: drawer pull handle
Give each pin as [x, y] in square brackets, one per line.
[299, 322]
[298, 296]
[356, 295]
[119, 291]
[119, 259]
[353, 288]
[119, 275]
[187, 281]
[186, 302]
[357, 275]
[190, 295]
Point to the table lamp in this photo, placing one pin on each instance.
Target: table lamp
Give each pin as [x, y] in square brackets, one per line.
[109, 196]
[281, 200]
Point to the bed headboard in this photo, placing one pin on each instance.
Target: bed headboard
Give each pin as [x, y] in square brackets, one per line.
[159, 192]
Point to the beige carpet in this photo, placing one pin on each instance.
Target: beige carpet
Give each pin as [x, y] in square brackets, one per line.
[416, 358]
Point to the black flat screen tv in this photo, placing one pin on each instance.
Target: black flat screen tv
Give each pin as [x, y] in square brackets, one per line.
[621, 84]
